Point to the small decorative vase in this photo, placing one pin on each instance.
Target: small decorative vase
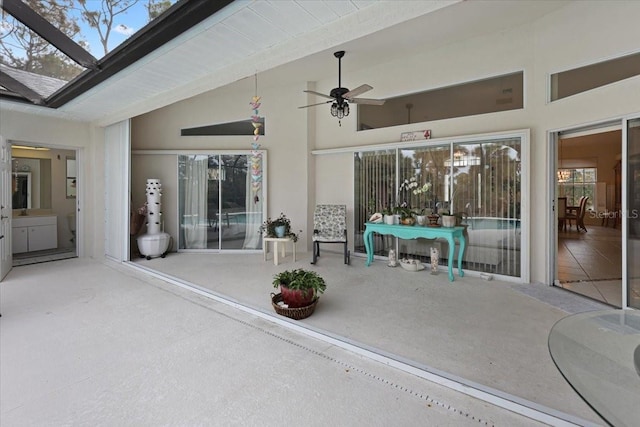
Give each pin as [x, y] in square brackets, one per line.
[433, 220]
[420, 219]
[435, 257]
[448, 221]
[280, 229]
[393, 261]
[388, 219]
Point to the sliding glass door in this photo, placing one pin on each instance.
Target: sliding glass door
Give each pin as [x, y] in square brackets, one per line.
[479, 181]
[220, 201]
[631, 214]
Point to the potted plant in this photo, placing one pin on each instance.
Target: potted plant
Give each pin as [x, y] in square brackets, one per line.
[279, 227]
[448, 220]
[406, 216]
[388, 215]
[299, 287]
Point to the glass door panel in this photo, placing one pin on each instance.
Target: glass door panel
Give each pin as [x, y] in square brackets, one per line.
[486, 195]
[220, 201]
[375, 191]
[233, 201]
[632, 214]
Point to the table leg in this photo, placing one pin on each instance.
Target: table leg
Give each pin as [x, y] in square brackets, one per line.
[368, 246]
[452, 245]
[463, 245]
[294, 250]
[275, 252]
[265, 249]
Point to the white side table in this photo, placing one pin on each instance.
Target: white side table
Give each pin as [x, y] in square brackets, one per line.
[282, 242]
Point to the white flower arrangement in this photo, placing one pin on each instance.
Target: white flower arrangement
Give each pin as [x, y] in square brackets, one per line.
[423, 190]
[408, 185]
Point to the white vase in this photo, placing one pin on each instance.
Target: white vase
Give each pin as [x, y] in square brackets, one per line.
[388, 219]
[421, 219]
[448, 221]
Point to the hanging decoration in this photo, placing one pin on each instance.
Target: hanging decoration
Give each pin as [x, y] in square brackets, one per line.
[256, 155]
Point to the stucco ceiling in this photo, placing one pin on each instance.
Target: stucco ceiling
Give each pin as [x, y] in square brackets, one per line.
[288, 41]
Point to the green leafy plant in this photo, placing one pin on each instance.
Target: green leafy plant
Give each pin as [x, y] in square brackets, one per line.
[300, 279]
[268, 228]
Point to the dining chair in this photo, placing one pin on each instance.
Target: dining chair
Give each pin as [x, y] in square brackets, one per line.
[581, 214]
[577, 213]
[562, 213]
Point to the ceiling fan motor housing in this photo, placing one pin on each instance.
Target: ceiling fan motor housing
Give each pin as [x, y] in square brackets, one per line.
[338, 93]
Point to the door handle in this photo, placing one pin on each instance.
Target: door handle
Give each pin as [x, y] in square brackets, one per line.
[3, 217]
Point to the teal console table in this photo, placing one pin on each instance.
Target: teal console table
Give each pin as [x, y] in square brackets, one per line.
[416, 232]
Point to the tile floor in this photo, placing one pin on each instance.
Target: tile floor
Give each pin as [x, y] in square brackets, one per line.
[590, 263]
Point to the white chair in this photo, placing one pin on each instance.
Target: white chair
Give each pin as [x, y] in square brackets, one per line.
[330, 226]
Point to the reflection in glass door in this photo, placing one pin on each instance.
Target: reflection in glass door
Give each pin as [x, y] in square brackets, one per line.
[220, 207]
[632, 212]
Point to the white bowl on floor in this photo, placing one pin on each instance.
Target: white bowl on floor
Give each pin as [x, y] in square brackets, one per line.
[411, 264]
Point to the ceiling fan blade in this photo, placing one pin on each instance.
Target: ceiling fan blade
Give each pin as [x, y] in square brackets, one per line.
[314, 105]
[318, 93]
[357, 91]
[368, 101]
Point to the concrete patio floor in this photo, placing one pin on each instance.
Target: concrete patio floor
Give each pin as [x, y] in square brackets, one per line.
[101, 343]
[487, 335]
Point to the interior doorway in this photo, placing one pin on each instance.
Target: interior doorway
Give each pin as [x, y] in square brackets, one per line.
[44, 203]
[588, 204]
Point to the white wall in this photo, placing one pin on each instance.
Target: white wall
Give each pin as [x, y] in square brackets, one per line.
[581, 33]
[285, 140]
[51, 131]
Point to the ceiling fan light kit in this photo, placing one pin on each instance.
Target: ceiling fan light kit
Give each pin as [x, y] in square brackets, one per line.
[341, 96]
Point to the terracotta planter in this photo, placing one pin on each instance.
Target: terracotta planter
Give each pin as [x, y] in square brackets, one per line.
[295, 298]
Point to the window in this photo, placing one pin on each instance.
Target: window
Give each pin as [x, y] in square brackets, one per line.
[501, 93]
[479, 181]
[580, 182]
[592, 76]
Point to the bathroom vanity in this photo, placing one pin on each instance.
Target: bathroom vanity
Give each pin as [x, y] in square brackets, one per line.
[34, 233]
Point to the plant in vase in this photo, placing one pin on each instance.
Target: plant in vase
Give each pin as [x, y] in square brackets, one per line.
[407, 216]
[448, 220]
[388, 215]
[299, 287]
[279, 227]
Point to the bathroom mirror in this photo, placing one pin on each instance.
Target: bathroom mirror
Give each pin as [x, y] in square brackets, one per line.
[31, 183]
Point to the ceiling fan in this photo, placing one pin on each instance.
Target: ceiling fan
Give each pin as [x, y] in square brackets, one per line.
[341, 96]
